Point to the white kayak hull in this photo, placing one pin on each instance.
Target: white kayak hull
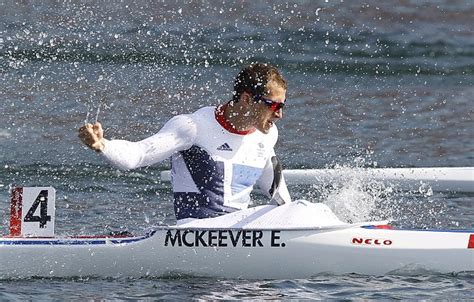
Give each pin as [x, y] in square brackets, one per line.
[460, 179]
[240, 253]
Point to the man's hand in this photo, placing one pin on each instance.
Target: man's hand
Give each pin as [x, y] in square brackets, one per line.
[92, 136]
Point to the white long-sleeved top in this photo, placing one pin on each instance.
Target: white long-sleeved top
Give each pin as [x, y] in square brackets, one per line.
[213, 169]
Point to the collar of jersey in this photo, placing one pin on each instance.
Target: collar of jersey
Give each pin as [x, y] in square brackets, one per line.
[220, 118]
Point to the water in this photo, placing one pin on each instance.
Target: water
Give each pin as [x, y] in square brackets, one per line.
[370, 84]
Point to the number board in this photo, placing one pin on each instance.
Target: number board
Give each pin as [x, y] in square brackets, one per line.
[32, 212]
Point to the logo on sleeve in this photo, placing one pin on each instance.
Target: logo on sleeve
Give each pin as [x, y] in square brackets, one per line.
[224, 147]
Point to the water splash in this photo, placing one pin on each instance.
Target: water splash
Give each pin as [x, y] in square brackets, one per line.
[354, 198]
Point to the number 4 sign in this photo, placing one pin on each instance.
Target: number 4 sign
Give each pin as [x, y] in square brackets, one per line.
[32, 212]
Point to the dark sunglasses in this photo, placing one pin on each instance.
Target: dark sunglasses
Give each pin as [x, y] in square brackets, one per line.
[274, 106]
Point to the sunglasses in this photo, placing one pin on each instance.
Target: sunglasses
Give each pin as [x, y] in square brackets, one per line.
[274, 106]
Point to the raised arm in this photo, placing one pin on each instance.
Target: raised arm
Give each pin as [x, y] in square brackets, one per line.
[176, 135]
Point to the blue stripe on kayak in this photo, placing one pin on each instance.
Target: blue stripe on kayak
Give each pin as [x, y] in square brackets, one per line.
[375, 227]
[76, 241]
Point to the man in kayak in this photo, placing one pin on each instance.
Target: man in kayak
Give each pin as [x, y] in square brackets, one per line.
[218, 153]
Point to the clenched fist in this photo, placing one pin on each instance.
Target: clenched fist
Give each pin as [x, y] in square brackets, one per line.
[92, 136]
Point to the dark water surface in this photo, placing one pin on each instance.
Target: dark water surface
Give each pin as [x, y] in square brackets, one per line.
[370, 84]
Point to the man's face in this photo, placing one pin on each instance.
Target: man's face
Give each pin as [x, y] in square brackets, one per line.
[264, 116]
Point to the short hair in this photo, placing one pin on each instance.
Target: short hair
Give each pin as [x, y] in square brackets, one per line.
[254, 79]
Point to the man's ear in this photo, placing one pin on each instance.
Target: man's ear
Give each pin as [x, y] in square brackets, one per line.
[245, 98]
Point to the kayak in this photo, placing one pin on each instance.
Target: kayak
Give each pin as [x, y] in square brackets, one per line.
[296, 240]
[240, 253]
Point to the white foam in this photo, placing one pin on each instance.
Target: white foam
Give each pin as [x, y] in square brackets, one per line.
[355, 198]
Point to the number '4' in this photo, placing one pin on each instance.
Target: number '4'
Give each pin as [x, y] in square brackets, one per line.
[42, 201]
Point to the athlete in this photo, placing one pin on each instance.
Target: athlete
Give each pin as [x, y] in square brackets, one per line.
[217, 153]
